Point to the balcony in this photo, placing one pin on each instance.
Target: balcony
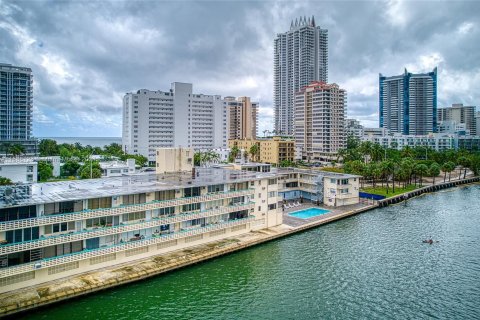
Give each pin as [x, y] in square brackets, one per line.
[93, 233]
[97, 213]
[86, 254]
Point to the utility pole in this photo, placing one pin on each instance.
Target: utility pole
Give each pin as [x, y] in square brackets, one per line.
[91, 167]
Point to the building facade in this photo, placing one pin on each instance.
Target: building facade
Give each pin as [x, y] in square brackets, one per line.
[16, 107]
[408, 103]
[242, 118]
[459, 114]
[354, 128]
[19, 170]
[320, 111]
[331, 189]
[271, 150]
[300, 57]
[435, 141]
[50, 231]
[176, 118]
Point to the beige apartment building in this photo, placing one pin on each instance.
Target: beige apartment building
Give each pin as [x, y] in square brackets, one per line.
[174, 160]
[271, 150]
[320, 110]
[242, 116]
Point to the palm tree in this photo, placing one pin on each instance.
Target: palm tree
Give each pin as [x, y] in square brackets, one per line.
[378, 152]
[233, 154]
[434, 171]
[448, 166]
[6, 147]
[254, 151]
[376, 172]
[388, 168]
[366, 148]
[464, 163]
[421, 170]
[16, 149]
[407, 152]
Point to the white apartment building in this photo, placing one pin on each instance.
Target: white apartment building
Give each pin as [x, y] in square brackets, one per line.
[354, 128]
[300, 56]
[320, 110]
[459, 114]
[19, 170]
[435, 141]
[174, 118]
[117, 168]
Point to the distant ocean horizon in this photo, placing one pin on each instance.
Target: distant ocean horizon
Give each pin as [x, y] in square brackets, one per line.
[93, 141]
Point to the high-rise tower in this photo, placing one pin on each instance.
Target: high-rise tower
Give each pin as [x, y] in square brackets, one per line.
[408, 103]
[16, 107]
[301, 56]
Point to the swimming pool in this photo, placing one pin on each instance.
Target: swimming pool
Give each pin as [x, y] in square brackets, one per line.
[308, 213]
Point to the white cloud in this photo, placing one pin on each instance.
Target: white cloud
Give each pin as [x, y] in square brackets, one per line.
[465, 27]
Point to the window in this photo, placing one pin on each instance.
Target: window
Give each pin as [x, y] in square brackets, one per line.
[97, 203]
[216, 188]
[165, 195]
[272, 181]
[191, 192]
[59, 227]
[134, 198]
[63, 207]
[272, 194]
[272, 206]
[102, 222]
[134, 216]
[191, 207]
[19, 235]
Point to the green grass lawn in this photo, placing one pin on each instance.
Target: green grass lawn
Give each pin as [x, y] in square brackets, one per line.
[333, 169]
[383, 190]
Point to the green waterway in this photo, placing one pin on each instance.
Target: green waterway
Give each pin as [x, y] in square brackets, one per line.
[371, 266]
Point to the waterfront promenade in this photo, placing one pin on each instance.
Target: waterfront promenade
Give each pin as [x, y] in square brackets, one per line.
[67, 288]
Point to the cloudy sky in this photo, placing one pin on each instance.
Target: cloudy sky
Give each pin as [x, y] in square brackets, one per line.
[86, 55]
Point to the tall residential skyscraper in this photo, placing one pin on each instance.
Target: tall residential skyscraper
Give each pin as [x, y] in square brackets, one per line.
[16, 107]
[459, 113]
[175, 118]
[408, 103]
[242, 118]
[320, 110]
[301, 56]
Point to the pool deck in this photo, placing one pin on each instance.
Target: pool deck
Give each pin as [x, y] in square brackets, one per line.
[334, 211]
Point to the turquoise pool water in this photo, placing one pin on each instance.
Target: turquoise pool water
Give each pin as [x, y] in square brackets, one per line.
[308, 213]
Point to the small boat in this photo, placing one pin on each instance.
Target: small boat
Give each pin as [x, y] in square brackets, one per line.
[429, 241]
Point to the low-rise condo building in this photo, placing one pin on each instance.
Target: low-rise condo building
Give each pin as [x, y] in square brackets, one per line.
[270, 150]
[54, 230]
[331, 189]
[19, 170]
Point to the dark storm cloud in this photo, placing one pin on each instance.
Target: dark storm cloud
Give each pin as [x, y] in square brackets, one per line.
[86, 54]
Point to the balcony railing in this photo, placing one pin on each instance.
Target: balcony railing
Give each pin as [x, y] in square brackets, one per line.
[87, 234]
[97, 213]
[86, 254]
